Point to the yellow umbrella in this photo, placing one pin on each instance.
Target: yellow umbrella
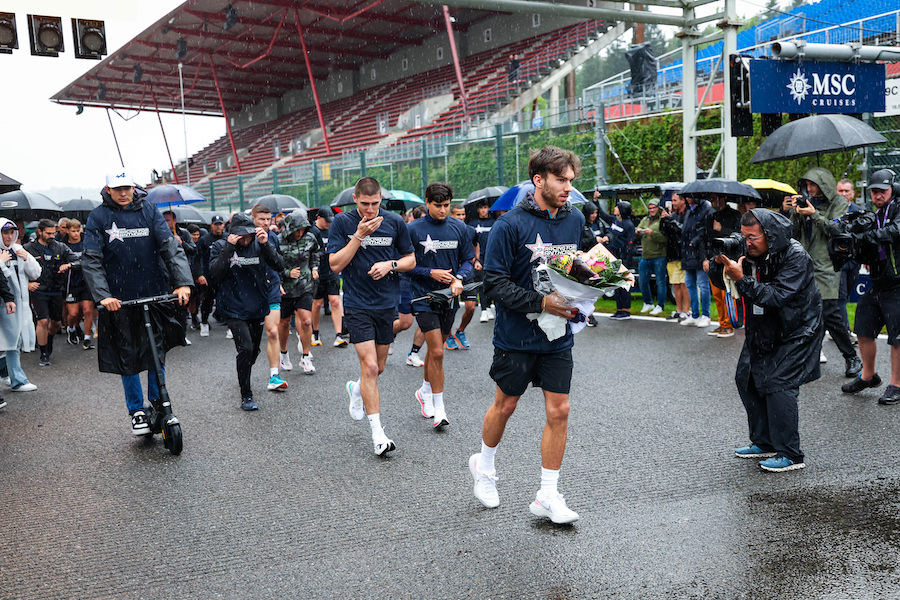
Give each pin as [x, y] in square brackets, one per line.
[772, 192]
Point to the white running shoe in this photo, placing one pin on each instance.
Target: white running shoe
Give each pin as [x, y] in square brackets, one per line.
[703, 321]
[646, 308]
[300, 347]
[391, 349]
[554, 508]
[822, 358]
[425, 403]
[383, 445]
[6, 381]
[306, 363]
[229, 335]
[656, 310]
[440, 419]
[339, 342]
[357, 410]
[413, 360]
[25, 387]
[491, 313]
[286, 364]
[204, 329]
[484, 316]
[688, 321]
[315, 340]
[485, 483]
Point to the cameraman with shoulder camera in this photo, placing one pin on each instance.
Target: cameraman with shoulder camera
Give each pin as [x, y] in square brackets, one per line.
[880, 305]
[812, 214]
[784, 335]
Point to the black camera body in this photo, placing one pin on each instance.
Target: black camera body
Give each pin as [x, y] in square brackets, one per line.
[849, 243]
[732, 246]
[803, 201]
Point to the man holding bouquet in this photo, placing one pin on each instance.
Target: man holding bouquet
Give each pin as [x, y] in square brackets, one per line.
[542, 225]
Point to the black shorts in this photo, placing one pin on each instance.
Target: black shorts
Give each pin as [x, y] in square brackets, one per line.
[78, 295]
[404, 307]
[429, 321]
[47, 307]
[331, 287]
[877, 309]
[513, 371]
[289, 305]
[469, 296]
[366, 325]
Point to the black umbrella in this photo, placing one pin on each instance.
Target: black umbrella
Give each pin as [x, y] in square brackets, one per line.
[28, 206]
[186, 214]
[345, 198]
[209, 214]
[718, 186]
[488, 194]
[279, 203]
[815, 135]
[79, 208]
[8, 184]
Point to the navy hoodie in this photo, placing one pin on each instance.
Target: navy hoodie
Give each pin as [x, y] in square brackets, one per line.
[241, 275]
[439, 245]
[520, 240]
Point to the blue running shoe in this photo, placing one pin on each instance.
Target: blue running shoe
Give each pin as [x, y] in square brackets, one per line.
[461, 340]
[277, 384]
[451, 344]
[752, 451]
[249, 404]
[779, 464]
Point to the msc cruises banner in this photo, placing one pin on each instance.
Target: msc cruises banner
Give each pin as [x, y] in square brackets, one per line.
[781, 86]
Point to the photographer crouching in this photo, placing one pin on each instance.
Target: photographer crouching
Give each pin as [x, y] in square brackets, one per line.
[784, 334]
[880, 305]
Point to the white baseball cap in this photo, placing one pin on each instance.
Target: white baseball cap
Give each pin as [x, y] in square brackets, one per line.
[121, 178]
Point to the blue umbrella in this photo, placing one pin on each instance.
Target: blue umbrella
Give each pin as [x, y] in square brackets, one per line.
[171, 195]
[513, 195]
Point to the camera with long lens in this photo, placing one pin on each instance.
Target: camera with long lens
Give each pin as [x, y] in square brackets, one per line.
[849, 243]
[731, 246]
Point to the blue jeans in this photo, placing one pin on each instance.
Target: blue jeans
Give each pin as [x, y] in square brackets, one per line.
[12, 364]
[134, 395]
[658, 267]
[695, 278]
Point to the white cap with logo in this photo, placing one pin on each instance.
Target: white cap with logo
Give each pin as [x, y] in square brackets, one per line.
[120, 178]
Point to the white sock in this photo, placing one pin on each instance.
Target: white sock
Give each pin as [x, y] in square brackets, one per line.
[486, 464]
[438, 399]
[355, 389]
[273, 371]
[426, 387]
[549, 479]
[375, 424]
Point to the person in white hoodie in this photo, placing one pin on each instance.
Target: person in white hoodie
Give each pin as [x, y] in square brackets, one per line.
[17, 328]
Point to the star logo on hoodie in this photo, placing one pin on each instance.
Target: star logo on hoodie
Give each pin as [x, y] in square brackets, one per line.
[538, 248]
[428, 244]
[114, 233]
[235, 261]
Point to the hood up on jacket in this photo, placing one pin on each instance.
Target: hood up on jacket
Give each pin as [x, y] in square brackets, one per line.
[589, 208]
[4, 221]
[295, 221]
[821, 177]
[777, 228]
[136, 204]
[625, 209]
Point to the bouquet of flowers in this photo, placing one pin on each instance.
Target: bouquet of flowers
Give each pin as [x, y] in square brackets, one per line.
[581, 278]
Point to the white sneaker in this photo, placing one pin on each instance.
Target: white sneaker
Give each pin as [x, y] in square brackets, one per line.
[306, 363]
[187, 342]
[688, 321]
[425, 403]
[484, 316]
[357, 410]
[646, 308]
[383, 444]
[315, 340]
[25, 387]
[339, 342]
[492, 314]
[822, 358]
[656, 310]
[229, 335]
[485, 483]
[286, 364]
[413, 360]
[300, 347]
[702, 322]
[391, 349]
[554, 508]
[440, 419]
[6, 381]
[204, 329]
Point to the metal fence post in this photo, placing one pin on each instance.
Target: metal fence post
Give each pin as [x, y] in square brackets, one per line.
[600, 145]
[212, 195]
[498, 134]
[424, 167]
[240, 178]
[275, 181]
[362, 164]
[315, 169]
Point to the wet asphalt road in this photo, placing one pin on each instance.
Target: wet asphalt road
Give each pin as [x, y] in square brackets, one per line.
[290, 502]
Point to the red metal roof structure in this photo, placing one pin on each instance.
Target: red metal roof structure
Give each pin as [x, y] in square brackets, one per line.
[274, 46]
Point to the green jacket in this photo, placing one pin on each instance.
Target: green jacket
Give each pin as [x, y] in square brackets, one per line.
[653, 245]
[303, 253]
[814, 232]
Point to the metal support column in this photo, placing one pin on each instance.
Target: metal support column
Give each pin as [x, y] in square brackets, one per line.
[240, 179]
[689, 98]
[498, 134]
[729, 143]
[312, 83]
[600, 145]
[424, 167]
[459, 78]
[315, 168]
[275, 188]
[362, 164]
[212, 195]
[237, 161]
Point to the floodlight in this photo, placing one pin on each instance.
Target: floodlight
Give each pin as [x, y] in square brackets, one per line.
[90, 38]
[46, 35]
[9, 39]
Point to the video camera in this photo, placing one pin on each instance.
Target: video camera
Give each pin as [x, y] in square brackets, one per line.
[849, 244]
[732, 246]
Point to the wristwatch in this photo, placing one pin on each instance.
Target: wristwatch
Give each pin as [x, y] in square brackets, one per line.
[393, 266]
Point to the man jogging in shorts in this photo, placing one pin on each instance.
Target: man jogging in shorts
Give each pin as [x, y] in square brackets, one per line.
[444, 255]
[370, 246]
[541, 225]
